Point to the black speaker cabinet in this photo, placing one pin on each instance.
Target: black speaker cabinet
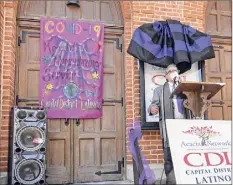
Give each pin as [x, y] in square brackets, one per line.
[27, 154]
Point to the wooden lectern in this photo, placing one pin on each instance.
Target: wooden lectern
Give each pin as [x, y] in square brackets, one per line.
[198, 95]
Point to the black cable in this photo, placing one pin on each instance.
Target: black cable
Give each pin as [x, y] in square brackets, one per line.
[161, 177]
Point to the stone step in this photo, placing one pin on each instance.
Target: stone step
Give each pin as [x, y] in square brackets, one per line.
[157, 169]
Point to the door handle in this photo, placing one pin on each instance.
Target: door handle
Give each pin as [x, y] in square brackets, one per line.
[66, 121]
[77, 122]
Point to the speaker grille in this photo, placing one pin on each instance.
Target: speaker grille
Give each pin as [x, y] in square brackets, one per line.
[29, 171]
[28, 142]
[21, 114]
[30, 115]
[30, 138]
[40, 115]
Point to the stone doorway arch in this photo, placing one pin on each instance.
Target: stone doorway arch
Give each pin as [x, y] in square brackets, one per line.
[107, 12]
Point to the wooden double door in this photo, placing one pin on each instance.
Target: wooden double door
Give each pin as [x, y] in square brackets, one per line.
[78, 150]
[219, 70]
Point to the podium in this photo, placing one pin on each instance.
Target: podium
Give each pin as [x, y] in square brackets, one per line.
[198, 95]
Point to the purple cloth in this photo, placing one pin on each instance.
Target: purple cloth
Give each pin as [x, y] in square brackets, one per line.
[135, 134]
[162, 43]
[180, 105]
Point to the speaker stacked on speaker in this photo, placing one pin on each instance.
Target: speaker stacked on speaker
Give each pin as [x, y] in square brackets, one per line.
[27, 163]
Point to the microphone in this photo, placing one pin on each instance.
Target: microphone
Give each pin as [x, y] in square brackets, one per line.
[176, 80]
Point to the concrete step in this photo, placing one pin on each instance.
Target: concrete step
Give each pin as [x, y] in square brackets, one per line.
[156, 168]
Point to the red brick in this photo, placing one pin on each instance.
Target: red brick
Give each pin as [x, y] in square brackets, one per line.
[156, 142]
[154, 161]
[146, 137]
[142, 142]
[3, 159]
[160, 147]
[4, 163]
[151, 157]
[160, 161]
[158, 151]
[3, 168]
[145, 152]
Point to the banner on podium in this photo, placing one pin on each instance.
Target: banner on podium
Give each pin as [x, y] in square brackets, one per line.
[201, 151]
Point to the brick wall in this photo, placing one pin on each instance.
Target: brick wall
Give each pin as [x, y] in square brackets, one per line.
[140, 12]
[1, 43]
[135, 13]
[8, 56]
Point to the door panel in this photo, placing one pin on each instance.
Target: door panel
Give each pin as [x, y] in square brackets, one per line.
[59, 152]
[98, 143]
[28, 74]
[112, 69]
[218, 70]
[59, 135]
[219, 18]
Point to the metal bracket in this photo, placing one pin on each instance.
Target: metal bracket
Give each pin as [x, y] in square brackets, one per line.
[118, 44]
[118, 171]
[73, 3]
[19, 40]
[67, 122]
[114, 101]
[77, 122]
[17, 100]
[24, 33]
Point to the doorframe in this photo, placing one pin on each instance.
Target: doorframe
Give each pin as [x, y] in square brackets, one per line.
[124, 127]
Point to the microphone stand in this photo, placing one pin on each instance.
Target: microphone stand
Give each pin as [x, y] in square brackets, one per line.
[188, 112]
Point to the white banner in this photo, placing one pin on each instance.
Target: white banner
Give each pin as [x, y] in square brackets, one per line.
[201, 151]
[155, 76]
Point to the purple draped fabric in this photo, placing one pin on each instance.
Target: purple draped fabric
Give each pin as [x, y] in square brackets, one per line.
[147, 174]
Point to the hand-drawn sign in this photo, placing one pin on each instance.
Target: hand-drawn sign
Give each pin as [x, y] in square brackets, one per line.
[71, 68]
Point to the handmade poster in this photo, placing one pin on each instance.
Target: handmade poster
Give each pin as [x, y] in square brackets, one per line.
[155, 76]
[200, 150]
[71, 68]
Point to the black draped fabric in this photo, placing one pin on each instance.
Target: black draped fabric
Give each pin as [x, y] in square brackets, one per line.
[165, 42]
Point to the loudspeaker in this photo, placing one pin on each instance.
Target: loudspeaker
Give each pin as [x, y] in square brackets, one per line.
[27, 152]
